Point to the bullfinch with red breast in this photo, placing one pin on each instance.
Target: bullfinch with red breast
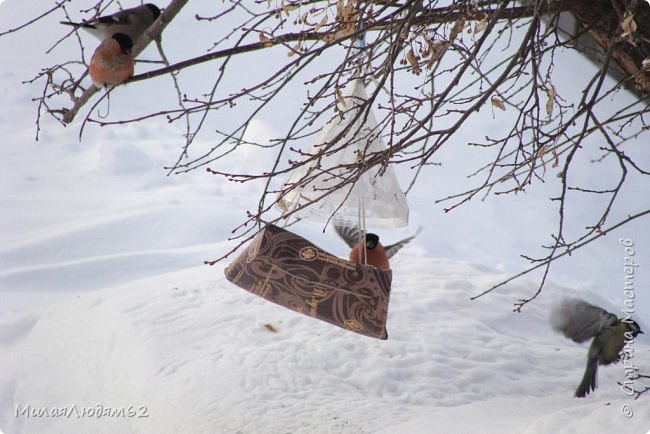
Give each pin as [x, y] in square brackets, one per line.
[112, 62]
[375, 253]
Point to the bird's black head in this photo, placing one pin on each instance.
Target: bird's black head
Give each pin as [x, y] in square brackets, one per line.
[371, 241]
[155, 11]
[634, 327]
[126, 44]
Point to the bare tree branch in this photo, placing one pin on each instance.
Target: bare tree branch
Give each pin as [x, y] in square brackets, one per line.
[153, 33]
[430, 67]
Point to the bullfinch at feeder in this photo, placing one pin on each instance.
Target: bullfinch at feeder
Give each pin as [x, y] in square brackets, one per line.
[375, 253]
[581, 321]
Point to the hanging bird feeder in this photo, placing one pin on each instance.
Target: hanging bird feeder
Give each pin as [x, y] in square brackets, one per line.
[286, 269]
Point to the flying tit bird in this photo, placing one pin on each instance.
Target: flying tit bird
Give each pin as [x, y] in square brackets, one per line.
[131, 22]
[375, 253]
[112, 62]
[581, 321]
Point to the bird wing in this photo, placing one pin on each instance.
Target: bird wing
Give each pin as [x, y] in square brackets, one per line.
[393, 248]
[104, 27]
[578, 320]
[132, 22]
[118, 18]
[350, 235]
[126, 16]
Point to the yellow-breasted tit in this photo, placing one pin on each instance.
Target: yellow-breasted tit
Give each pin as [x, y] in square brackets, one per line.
[580, 321]
[131, 22]
[375, 253]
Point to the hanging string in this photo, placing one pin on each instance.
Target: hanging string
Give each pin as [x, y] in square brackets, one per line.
[361, 42]
[361, 48]
[361, 53]
[361, 224]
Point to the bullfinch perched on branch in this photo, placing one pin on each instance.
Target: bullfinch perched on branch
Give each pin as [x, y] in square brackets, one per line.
[112, 62]
[581, 321]
[375, 253]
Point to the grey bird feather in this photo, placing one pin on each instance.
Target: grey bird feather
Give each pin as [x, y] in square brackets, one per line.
[578, 320]
[132, 22]
[352, 236]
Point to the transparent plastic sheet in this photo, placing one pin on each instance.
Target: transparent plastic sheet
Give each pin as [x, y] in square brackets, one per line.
[377, 191]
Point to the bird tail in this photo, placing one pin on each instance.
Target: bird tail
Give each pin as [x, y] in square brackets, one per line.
[86, 26]
[589, 380]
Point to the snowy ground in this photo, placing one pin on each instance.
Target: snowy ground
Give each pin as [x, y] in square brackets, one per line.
[193, 351]
[105, 305]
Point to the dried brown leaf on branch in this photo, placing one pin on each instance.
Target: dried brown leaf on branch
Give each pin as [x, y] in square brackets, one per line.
[413, 60]
[294, 50]
[629, 27]
[550, 102]
[498, 103]
[340, 97]
[481, 24]
[540, 155]
[456, 30]
[265, 40]
[437, 49]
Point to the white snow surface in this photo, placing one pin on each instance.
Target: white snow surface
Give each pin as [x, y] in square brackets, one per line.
[106, 306]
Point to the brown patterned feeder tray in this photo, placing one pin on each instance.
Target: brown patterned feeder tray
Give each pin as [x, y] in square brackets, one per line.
[286, 269]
